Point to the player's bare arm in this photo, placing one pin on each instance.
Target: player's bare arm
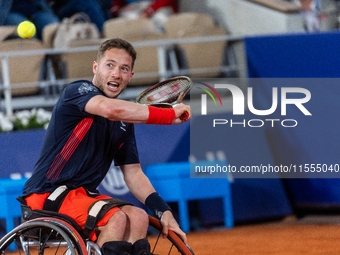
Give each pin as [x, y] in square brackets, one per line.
[116, 109]
[137, 182]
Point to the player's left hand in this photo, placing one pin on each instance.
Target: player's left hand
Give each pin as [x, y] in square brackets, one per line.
[169, 223]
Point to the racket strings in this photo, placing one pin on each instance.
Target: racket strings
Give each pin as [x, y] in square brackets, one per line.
[165, 93]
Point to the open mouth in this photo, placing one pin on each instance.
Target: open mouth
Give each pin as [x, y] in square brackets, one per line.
[113, 85]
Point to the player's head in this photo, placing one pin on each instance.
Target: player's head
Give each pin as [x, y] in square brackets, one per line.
[113, 67]
[117, 43]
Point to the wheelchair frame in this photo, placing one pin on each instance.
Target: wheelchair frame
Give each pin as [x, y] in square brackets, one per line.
[33, 237]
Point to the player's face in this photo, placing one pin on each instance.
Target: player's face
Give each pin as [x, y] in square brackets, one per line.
[113, 72]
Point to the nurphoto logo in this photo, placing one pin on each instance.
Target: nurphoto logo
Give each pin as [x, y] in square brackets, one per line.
[239, 105]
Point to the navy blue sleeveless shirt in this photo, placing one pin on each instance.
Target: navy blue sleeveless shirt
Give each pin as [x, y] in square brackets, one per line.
[79, 148]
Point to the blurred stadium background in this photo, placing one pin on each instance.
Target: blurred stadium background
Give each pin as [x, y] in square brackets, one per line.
[210, 39]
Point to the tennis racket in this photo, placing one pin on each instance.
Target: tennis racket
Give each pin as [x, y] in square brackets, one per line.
[167, 94]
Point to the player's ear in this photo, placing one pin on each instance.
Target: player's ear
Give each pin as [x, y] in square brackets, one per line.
[94, 67]
[132, 73]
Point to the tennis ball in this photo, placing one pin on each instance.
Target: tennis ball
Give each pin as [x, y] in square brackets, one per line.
[26, 29]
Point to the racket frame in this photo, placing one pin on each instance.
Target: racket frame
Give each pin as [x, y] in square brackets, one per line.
[170, 101]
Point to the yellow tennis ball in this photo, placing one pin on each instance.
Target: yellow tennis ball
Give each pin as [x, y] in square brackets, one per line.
[26, 29]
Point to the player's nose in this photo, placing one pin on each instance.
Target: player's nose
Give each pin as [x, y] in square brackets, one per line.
[115, 73]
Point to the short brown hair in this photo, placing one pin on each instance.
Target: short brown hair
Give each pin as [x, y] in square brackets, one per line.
[118, 44]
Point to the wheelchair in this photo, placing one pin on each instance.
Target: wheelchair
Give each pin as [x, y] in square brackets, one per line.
[47, 233]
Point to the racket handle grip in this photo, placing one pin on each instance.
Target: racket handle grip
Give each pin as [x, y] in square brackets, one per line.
[184, 116]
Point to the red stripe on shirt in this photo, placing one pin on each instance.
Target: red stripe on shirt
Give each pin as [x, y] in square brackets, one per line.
[72, 143]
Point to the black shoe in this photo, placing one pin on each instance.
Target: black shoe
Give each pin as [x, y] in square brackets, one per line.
[141, 247]
[117, 248]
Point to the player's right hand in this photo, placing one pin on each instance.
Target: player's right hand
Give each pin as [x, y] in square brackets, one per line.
[179, 110]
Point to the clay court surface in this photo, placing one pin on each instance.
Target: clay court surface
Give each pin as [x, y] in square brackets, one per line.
[288, 237]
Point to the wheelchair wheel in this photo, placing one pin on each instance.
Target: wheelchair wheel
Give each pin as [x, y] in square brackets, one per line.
[172, 245]
[44, 236]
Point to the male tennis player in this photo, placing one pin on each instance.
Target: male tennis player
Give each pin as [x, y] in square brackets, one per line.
[89, 128]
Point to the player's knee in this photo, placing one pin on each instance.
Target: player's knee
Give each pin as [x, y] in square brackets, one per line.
[119, 218]
[140, 218]
[114, 229]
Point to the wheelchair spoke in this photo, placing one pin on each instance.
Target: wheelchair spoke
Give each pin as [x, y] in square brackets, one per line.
[170, 249]
[56, 252]
[41, 251]
[154, 247]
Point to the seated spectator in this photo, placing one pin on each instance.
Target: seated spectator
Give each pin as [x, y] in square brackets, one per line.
[67, 8]
[13, 12]
[157, 10]
[310, 15]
